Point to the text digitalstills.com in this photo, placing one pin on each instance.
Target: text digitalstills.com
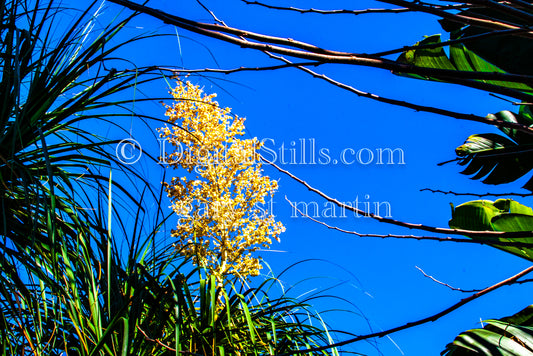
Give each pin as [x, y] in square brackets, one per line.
[303, 151]
[306, 152]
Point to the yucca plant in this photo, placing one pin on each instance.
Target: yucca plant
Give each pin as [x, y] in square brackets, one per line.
[236, 319]
[55, 239]
[80, 274]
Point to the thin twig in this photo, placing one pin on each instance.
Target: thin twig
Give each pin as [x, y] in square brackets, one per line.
[346, 11]
[147, 338]
[465, 290]
[398, 10]
[428, 319]
[211, 13]
[430, 109]
[468, 20]
[480, 241]
[310, 52]
[505, 9]
[522, 3]
[475, 194]
[446, 284]
[438, 230]
[219, 31]
[516, 103]
[327, 12]
[229, 70]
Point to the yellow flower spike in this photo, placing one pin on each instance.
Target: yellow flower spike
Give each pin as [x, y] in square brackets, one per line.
[217, 202]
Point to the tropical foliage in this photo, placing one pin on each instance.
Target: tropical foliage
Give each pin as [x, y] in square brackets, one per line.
[505, 215]
[84, 267]
[509, 336]
[495, 158]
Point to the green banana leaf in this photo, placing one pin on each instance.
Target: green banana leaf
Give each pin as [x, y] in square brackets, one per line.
[490, 157]
[525, 111]
[460, 59]
[496, 158]
[523, 117]
[501, 215]
[508, 336]
[511, 53]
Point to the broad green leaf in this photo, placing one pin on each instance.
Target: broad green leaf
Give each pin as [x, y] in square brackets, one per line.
[509, 52]
[460, 59]
[474, 215]
[495, 158]
[513, 222]
[522, 333]
[508, 336]
[512, 206]
[487, 342]
[483, 142]
[508, 116]
[523, 317]
[525, 111]
[501, 215]
[467, 60]
[427, 57]
[516, 222]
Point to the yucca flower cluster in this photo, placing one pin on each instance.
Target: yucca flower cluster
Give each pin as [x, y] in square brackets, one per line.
[220, 200]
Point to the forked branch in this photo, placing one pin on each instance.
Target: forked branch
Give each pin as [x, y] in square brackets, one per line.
[505, 282]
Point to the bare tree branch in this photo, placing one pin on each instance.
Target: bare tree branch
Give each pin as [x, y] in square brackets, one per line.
[465, 290]
[480, 241]
[428, 319]
[310, 52]
[327, 12]
[177, 71]
[352, 12]
[219, 31]
[523, 4]
[212, 14]
[504, 9]
[476, 194]
[430, 109]
[467, 39]
[409, 8]
[468, 20]
[446, 284]
[510, 101]
[422, 227]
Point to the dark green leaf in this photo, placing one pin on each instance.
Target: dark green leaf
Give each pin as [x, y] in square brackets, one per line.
[460, 59]
[495, 158]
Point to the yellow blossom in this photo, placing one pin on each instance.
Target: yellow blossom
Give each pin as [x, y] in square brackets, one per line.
[219, 201]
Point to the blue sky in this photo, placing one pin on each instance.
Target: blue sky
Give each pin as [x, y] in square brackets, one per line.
[285, 107]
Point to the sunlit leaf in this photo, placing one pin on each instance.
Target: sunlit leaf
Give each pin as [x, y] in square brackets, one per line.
[502, 215]
[508, 336]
